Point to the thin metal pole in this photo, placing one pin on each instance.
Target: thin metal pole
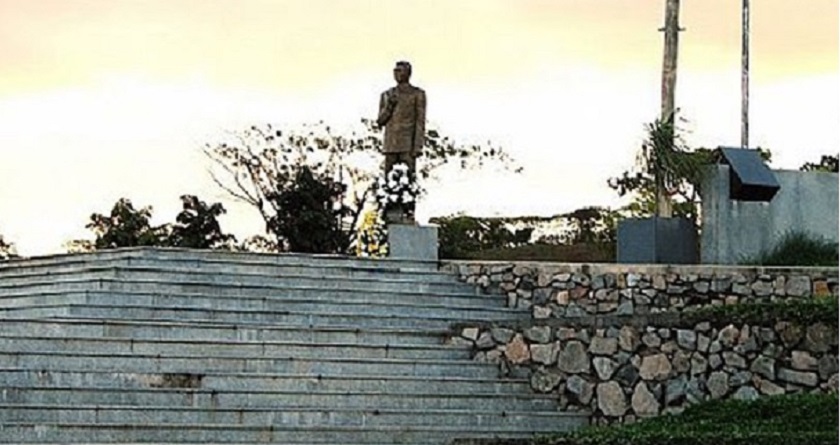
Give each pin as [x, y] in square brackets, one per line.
[745, 74]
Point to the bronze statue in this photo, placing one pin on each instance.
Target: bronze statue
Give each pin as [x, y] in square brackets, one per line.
[402, 111]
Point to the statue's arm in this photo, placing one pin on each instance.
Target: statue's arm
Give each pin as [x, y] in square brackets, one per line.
[420, 124]
[385, 110]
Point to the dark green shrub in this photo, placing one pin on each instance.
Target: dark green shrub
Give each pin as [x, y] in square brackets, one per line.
[802, 311]
[807, 419]
[798, 249]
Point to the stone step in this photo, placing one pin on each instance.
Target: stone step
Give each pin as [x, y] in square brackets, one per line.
[261, 381]
[304, 318]
[224, 332]
[320, 301]
[42, 432]
[175, 364]
[259, 269]
[515, 421]
[231, 348]
[198, 257]
[224, 283]
[207, 398]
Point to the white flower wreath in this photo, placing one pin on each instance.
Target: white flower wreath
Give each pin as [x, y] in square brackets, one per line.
[397, 187]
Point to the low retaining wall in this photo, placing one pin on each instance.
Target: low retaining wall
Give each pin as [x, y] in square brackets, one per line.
[574, 290]
[630, 367]
[612, 340]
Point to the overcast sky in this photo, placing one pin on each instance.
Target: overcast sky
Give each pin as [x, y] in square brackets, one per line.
[102, 99]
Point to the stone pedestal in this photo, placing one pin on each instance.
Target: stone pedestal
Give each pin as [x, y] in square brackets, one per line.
[410, 242]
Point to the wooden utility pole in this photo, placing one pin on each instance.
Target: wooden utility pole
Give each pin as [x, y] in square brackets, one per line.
[669, 82]
[745, 74]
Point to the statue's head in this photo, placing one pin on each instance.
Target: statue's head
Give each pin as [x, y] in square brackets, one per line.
[402, 71]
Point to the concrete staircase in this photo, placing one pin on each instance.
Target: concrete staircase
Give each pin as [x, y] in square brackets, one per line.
[175, 346]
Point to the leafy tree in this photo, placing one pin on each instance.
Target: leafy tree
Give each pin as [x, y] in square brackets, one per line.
[665, 162]
[197, 226]
[309, 213]
[125, 226]
[828, 163]
[7, 249]
[259, 164]
[461, 235]
[591, 225]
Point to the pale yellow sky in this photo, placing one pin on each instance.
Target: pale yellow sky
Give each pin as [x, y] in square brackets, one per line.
[107, 98]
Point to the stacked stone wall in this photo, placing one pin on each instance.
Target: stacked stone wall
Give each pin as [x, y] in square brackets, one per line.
[613, 340]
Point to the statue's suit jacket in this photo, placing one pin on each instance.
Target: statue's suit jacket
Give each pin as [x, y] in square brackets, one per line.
[404, 120]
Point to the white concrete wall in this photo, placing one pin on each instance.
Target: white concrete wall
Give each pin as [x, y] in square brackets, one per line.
[735, 230]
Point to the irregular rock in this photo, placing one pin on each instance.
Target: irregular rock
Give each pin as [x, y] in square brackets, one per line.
[580, 389]
[827, 366]
[675, 390]
[728, 336]
[669, 347]
[833, 383]
[485, 341]
[681, 362]
[562, 297]
[790, 333]
[628, 338]
[819, 337]
[769, 388]
[764, 366]
[695, 390]
[625, 308]
[740, 378]
[821, 289]
[545, 380]
[715, 362]
[687, 339]
[632, 280]
[798, 377]
[573, 358]
[501, 335]
[611, 400]
[798, 286]
[715, 347]
[699, 364]
[627, 375]
[745, 393]
[701, 287]
[655, 367]
[643, 402]
[603, 346]
[565, 334]
[651, 340]
[604, 367]
[544, 354]
[718, 384]
[766, 335]
[470, 333]
[541, 312]
[517, 351]
[703, 343]
[574, 310]
[762, 288]
[538, 334]
[803, 361]
[734, 359]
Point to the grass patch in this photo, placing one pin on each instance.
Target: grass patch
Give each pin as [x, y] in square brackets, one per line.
[798, 249]
[801, 311]
[806, 419]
